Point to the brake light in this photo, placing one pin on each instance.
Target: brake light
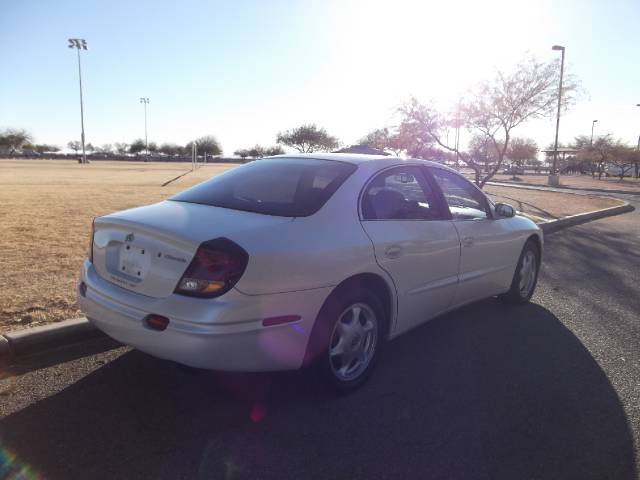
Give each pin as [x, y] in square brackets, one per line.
[157, 322]
[215, 269]
[91, 239]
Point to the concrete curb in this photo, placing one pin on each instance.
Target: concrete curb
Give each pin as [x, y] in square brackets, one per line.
[564, 187]
[551, 226]
[32, 341]
[560, 223]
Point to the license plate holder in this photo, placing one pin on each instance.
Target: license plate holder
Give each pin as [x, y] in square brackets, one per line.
[134, 261]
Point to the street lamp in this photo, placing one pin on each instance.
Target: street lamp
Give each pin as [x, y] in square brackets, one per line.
[638, 105]
[638, 149]
[593, 123]
[80, 44]
[146, 142]
[553, 178]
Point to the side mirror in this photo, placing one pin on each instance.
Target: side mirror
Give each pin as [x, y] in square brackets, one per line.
[505, 210]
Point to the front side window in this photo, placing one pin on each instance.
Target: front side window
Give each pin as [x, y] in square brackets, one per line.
[289, 187]
[399, 194]
[464, 200]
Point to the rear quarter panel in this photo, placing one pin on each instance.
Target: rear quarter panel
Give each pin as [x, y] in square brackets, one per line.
[309, 252]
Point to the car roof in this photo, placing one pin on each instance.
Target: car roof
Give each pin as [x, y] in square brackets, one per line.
[359, 158]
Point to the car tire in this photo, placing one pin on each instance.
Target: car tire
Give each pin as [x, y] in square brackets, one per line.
[350, 330]
[525, 277]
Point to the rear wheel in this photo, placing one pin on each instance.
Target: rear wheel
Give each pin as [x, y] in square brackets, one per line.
[354, 330]
[525, 277]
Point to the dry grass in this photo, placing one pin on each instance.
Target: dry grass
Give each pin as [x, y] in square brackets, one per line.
[548, 205]
[46, 209]
[577, 181]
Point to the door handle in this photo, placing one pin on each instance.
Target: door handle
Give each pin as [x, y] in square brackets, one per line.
[394, 251]
[467, 241]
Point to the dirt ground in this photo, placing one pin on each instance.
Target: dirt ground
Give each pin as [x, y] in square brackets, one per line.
[46, 209]
[577, 181]
[548, 205]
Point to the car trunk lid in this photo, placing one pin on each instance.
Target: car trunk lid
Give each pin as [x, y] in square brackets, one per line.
[147, 249]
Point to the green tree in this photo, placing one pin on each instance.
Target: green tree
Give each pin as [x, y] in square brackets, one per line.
[308, 139]
[13, 139]
[242, 153]
[378, 139]
[137, 146]
[171, 149]
[207, 144]
[43, 147]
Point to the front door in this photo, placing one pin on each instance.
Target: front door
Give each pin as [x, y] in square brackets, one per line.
[489, 247]
[413, 241]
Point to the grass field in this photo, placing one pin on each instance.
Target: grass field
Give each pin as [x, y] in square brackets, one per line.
[46, 209]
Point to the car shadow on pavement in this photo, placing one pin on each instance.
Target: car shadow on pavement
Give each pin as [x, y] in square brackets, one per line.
[488, 391]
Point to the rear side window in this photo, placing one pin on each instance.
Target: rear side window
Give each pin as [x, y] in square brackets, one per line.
[289, 187]
[400, 194]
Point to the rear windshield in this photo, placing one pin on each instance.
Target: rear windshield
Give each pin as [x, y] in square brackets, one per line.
[288, 187]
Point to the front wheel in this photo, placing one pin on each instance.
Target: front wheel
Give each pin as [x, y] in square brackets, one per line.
[356, 328]
[525, 277]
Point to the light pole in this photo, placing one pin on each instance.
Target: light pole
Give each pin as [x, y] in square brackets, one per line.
[593, 123]
[146, 142]
[553, 178]
[80, 44]
[638, 149]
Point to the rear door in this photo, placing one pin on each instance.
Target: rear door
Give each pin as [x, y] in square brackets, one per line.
[413, 241]
[489, 247]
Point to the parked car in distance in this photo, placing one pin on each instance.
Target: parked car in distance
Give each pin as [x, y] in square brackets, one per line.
[303, 260]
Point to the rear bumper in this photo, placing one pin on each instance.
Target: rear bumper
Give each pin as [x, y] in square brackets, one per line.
[221, 334]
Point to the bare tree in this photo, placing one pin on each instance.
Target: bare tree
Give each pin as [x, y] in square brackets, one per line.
[492, 110]
[275, 150]
[308, 139]
[605, 151]
[522, 150]
[74, 145]
[121, 147]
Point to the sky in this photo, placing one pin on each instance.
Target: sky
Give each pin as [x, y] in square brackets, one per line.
[244, 70]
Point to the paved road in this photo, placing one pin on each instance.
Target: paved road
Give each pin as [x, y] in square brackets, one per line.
[545, 391]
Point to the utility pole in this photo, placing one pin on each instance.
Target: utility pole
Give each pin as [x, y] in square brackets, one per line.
[637, 166]
[554, 180]
[592, 125]
[146, 139]
[458, 136]
[80, 44]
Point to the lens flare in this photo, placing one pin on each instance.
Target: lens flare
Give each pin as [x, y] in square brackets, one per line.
[12, 468]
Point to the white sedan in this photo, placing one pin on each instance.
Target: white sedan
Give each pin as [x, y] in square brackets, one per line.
[300, 260]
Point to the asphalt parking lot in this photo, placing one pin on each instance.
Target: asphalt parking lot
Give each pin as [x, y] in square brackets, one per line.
[549, 390]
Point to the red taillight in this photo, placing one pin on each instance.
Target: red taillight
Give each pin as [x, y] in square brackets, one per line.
[216, 267]
[157, 322]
